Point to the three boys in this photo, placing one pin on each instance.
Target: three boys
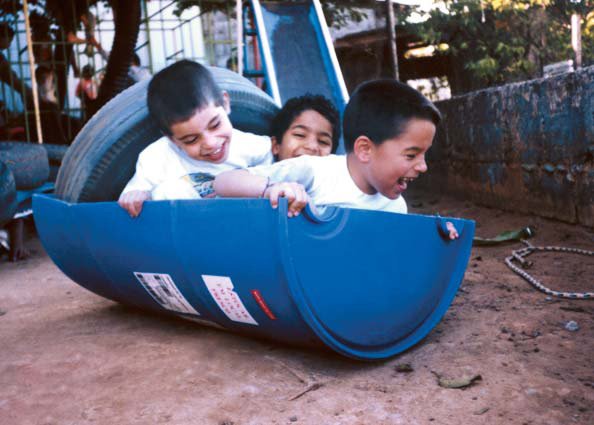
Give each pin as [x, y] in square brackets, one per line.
[388, 128]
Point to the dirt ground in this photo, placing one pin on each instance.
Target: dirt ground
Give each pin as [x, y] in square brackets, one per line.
[68, 356]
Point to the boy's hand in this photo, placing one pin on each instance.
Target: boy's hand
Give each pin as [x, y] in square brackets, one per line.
[132, 201]
[452, 229]
[294, 192]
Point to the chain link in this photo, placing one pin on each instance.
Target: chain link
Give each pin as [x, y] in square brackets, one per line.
[519, 254]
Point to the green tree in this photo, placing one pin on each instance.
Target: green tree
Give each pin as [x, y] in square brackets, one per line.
[492, 42]
[337, 12]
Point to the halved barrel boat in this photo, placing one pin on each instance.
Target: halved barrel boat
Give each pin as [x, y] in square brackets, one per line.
[367, 284]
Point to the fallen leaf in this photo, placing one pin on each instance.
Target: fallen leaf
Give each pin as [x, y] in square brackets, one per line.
[457, 383]
[403, 368]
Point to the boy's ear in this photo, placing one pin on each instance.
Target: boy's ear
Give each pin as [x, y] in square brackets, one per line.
[363, 148]
[226, 102]
[275, 148]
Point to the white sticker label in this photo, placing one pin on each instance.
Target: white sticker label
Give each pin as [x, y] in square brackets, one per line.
[221, 289]
[163, 290]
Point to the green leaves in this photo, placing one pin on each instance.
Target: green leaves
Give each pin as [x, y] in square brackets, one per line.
[498, 41]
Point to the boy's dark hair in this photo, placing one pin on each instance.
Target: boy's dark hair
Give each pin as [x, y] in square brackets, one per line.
[297, 105]
[135, 59]
[41, 73]
[87, 71]
[380, 110]
[175, 93]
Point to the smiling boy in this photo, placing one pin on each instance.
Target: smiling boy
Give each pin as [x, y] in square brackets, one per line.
[388, 128]
[199, 141]
[305, 125]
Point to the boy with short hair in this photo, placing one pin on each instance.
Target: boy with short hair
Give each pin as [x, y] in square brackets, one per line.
[192, 112]
[388, 128]
[305, 125]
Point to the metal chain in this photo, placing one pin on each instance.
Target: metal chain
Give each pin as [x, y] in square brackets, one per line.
[519, 255]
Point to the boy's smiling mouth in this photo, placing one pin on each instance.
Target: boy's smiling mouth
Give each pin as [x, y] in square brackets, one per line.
[217, 154]
[403, 183]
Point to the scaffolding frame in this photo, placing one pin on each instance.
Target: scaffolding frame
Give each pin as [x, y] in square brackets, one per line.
[165, 36]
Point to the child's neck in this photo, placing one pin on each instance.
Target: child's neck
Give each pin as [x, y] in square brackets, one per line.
[357, 173]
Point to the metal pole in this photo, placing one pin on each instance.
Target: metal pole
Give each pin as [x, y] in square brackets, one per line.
[239, 13]
[391, 32]
[32, 70]
[147, 29]
[576, 38]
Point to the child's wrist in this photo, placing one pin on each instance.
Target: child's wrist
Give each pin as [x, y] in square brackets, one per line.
[267, 186]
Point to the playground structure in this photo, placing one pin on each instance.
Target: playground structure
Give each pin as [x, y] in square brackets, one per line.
[154, 30]
[159, 34]
[283, 51]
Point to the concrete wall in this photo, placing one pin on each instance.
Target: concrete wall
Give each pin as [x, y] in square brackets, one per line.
[525, 147]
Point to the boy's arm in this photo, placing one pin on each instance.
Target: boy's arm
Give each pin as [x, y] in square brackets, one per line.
[136, 192]
[242, 184]
[132, 201]
[138, 189]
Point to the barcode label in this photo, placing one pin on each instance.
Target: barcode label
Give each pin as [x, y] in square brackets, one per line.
[164, 291]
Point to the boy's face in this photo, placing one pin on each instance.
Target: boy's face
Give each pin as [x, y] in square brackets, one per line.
[206, 135]
[391, 166]
[309, 134]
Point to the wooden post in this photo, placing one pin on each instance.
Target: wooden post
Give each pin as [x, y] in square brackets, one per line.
[32, 71]
[391, 33]
[576, 38]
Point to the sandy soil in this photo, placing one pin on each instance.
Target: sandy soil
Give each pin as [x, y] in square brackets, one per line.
[68, 356]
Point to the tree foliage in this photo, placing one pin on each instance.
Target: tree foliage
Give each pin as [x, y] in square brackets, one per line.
[491, 42]
[337, 12]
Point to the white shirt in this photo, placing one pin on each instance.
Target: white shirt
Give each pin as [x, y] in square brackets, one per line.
[328, 183]
[139, 73]
[162, 167]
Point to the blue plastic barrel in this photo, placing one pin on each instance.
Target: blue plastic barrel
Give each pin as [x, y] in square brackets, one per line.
[367, 284]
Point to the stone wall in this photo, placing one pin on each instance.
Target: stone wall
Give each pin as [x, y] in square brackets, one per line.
[526, 147]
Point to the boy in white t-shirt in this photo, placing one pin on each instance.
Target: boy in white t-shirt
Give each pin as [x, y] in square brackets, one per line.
[192, 112]
[388, 127]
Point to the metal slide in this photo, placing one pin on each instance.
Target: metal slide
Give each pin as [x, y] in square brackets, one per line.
[297, 52]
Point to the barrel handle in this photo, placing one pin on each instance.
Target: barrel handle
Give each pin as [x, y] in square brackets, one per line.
[315, 216]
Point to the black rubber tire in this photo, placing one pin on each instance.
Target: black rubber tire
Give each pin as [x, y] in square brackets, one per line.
[8, 198]
[53, 174]
[103, 156]
[28, 163]
[55, 153]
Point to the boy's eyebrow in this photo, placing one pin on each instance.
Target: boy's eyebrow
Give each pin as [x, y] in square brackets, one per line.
[413, 149]
[304, 127]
